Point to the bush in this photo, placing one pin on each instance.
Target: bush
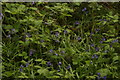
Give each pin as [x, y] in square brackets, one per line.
[60, 40]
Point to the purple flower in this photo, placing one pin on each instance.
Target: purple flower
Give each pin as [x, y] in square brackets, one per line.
[21, 70]
[97, 49]
[103, 39]
[62, 51]
[97, 30]
[92, 45]
[13, 31]
[114, 41]
[79, 38]
[28, 35]
[68, 67]
[84, 9]
[31, 52]
[65, 32]
[41, 41]
[59, 63]
[91, 33]
[33, 2]
[100, 19]
[27, 64]
[49, 63]
[1, 14]
[94, 56]
[51, 32]
[9, 36]
[0, 17]
[57, 34]
[56, 54]
[57, 41]
[77, 22]
[58, 70]
[21, 66]
[90, 62]
[104, 77]
[51, 51]
[110, 45]
[98, 74]
[104, 19]
[106, 51]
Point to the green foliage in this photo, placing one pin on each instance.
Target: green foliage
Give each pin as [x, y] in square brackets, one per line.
[60, 40]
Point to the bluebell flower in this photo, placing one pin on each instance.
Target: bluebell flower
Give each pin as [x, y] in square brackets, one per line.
[51, 32]
[1, 14]
[79, 38]
[94, 56]
[31, 52]
[101, 19]
[92, 45]
[97, 30]
[106, 51]
[114, 41]
[77, 22]
[65, 32]
[21, 66]
[104, 19]
[103, 39]
[104, 77]
[59, 63]
[58, 70]
[9, 36]
[68, 67]
[27, 64]
[57, 34]
[33, 2]
[28, 35]
[110, 45]
[41, 41]
[13, 31]
[51, 50]
[84, 9]
[57, 41]
[62, 51]
[91, 33]
[90, 62]
[56, 54]
[98, 74]
[97, 49]
[49, 63]
[21, 70]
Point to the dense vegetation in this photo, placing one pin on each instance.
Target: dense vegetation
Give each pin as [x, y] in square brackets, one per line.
[60, 40]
